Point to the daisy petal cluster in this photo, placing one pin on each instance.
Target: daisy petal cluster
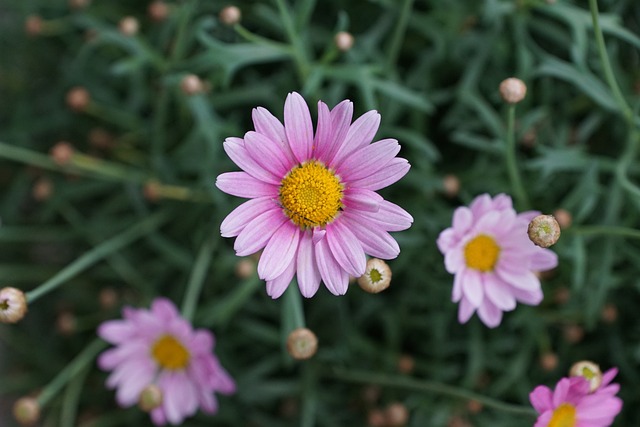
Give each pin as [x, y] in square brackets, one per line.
[492, 258]
[572, 404]
[158, 347]
[313, 205]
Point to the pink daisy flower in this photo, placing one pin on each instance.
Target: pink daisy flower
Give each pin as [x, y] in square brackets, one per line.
[571, 404]
[313, 204]
[158, 347]
[489, 252]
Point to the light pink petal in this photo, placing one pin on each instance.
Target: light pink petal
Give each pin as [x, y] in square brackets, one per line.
[447, 240]
[375, 242]
[534, 297]
[333, 276]
[524, 280]
[267, 124]
[298, 126]
[502, 202]
[277, 286]
[238, 219]
[362, 200]
[489, 313]
[324, 130]
[164, 309]
[462, 220]
[454, 260]
[608, 376]
[465, 310]
[544, 419]
[158, 417]
[390, 217]
[489, 221]
[202, 342]
[528, 216]
[241, 184]
[392, 172]
[235, 149]
[473, 287]
[346, 249]
[500, 294]
[561, 391]
[543, 260]
[308, 273]
[279, 252]
[267, 153]
[480, 205]
[172, 388]
[594, 407]
[257, 233]
[134, 382]
[541, 399]
[368, 160]
[116, 331]
[360, 134]
[341, 116]
[456, 293]
[113, 357]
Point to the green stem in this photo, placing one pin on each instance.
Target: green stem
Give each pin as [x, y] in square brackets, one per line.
[254, 38]
[519, 192]
[430, 387]
[98, 253]
[71, 399]
[398, 34]
[73, 368]
[179, 45]
[605, 230]
[293, 306]
[299, 52]
[198, 275]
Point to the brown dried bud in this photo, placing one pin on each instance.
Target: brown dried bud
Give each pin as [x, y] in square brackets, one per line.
[150, 398]
[33, 25]
[344, 41]
[158, 11]
[13, 305]
[191, 84]
[544, 230]
[302, 344]
[609, 313]
[549, 361]
[451, 185]
[396, 415]
[61, 153]
[563, 217]
[245, 268]
[42, 189]
[573, 333]
[513, 90]
[474, 407]
[26, 411]
[376, 277]
[406, 364]
[230, 15]
[589, 371]
[78, 4]
[562, 295]
[151, 191]
[78, 99]
[376, 418]
[108, 298]
[66, 323]
[100, 138]
[371, 394]
[129, 26]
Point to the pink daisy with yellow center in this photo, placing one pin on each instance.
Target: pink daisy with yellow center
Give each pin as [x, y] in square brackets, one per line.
[313, 204]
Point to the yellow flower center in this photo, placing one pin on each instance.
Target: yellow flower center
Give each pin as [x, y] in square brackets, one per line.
[170, 353]
[482, 253]
[563, 416]
[375, 275]
[311, 195]
[588, 373]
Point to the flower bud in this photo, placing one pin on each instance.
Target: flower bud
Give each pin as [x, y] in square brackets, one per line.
[544, 230]
[100, 138]
[245, 268]
[406, 364]
[42, 189]
[33, 25]
[129, 26]
[376, 418]
[513, 90]
[396, 415]
[474, 406]
[108, 298]
[158, 11]
[78, 99]
[150, 398]
[589, 371]
[344, 41]
[66, 323]
[151, 190]
[376, 277]
[61, 153]
[26, 411]
[573, 333]
[78, 4]
[549, 361]
[563, 217]
[13, 305]
[191, 84]
[302, 344]
[230, 15]
[609, 313]
[451, 185]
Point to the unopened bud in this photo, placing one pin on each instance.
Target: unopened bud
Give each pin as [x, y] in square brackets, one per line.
[376, 418]
[396, 415]
[451, 185]
[108, 298]
[513, 90]
[544, 230]
[474, 406]
[158, 11]
[100, 138]
[302, 344]
[66, 323]
[589, 371]
[42, 189]
[78, 99]
[150, 398]
[609, 313]
[573, 333]
[191, 84]
[549, 361]
[344, 41]
[13, 305]
[563, 217]
[61, 153]
[129, 26]
[376, 277]
[33, 25]
[406, 364]
[26, 410]
[245, 268]
[78, 4]
[230, 15]
[151, 190]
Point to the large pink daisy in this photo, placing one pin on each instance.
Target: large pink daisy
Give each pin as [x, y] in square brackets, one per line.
[158, 347]
[572, 405]
[314, 207]
[489, 252]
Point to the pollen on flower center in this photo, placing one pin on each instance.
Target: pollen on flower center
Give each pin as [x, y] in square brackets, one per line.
[481, 253]
[311, 195]
[563, 416]
[170, 353]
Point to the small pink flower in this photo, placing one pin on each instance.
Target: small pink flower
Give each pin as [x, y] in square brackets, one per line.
[571, 404]
[492, 258]
[313, 204]
[158, 347]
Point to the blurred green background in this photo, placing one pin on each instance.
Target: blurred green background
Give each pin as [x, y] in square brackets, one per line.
[151, 152]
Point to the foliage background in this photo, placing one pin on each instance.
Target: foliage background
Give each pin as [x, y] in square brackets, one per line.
[432, 69]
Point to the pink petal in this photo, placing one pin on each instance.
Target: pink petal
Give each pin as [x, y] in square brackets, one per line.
[389, 217]
[267, 124]
[116, 331]
[456, 293]
[392, 172]
[541, 399]
[362, 200]
[359, 135]
[368, 160]
[279, 252]
[489, 313]
[499, 293]
[473, 287]
[341, 116]
[164, 309]
[238, 219]
[241, 184]
[298, 126]
[377, 243]
[172, 388]
[502, 202]
[346, 249]
[543, 260]
[267, 154]
[465, 310]
[308, 273]
[462, 220]
[447, 239]
[454, 260]
[277, 286]
[488, 221]
[235, 149]
[333, 276]
[561, 391]
[257, 233]
[480, 205]
[134, 382]
[524, 280]
[324, 130]
[608, 376]
[534, 297]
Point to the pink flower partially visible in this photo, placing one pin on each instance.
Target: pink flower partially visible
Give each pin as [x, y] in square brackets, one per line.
[158, 347]
[313, 204]
[572, 405]
[492, 258]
